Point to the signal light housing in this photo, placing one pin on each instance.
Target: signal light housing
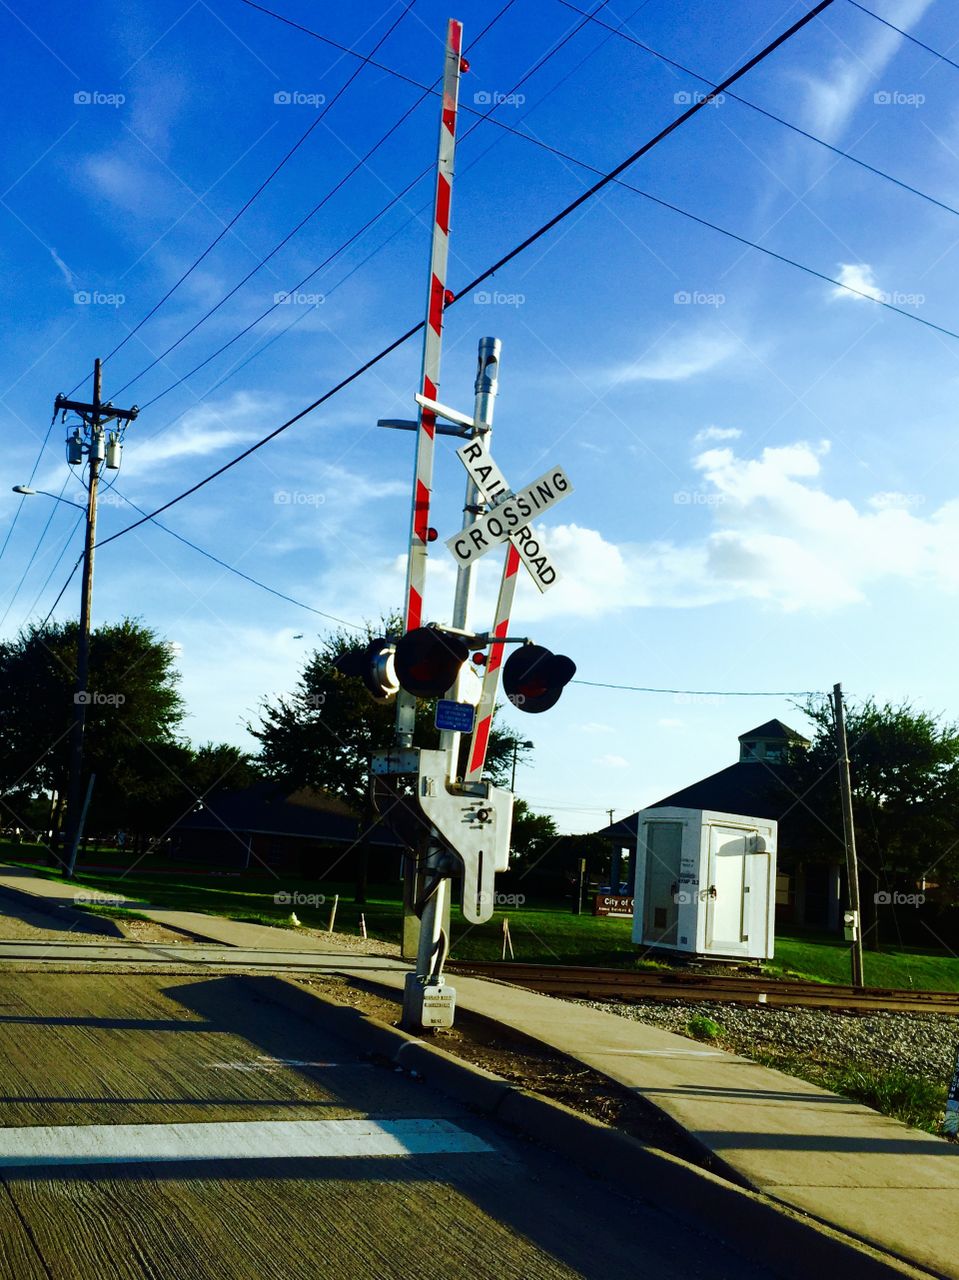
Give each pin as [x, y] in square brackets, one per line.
[374, 665]
[428, 660]
[534, 677]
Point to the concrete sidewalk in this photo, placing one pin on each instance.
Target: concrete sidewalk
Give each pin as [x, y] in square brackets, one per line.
[845, 1164]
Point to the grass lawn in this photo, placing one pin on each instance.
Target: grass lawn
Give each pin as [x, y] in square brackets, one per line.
[827, 960]
[545, 934]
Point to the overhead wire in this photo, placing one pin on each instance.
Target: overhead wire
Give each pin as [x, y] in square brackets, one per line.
[307, 310]
[591, 17]
[239, 572]
[770, 115]
[545, 227]
[327, 107]
[397, 197]
[913, 39]
[426, 90]
[53, 511]
[303, 221]
[23, 497]
[707, 693]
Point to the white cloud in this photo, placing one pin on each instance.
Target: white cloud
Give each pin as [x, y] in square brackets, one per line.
[63, 269]
[594, 726]
[772, 534]
[716, 433]
[667, 722]
[854, 76]
[612, 762]
[678, 360]
[203, 431]
[858, 276]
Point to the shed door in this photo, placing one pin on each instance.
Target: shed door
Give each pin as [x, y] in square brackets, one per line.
[664, 845]
[726, 914]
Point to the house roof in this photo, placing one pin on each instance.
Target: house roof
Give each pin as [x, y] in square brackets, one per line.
[744, 787]
[267, 808]
[773, 729]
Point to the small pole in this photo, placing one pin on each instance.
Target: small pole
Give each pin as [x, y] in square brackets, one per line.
[507, 940]
[849, 832]
[80, 825]
[950, 1123]
[336, 903]
[580, 887]
[362, 925]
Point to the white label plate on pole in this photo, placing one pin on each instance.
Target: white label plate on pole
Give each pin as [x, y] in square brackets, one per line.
[509, 517]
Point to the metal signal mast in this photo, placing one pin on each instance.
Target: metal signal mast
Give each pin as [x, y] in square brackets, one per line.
[454, 823]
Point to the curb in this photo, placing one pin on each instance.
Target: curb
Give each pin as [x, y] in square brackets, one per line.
[63, 909]
[791, 1245]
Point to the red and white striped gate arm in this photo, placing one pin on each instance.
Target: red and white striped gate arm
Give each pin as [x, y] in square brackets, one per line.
[484, 720]
[433, 334]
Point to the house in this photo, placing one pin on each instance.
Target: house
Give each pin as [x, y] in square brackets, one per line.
[305, 832]
[808, 891]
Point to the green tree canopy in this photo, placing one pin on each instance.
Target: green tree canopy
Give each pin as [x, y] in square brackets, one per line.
[132, 700]
[904, 767]
[146, 775]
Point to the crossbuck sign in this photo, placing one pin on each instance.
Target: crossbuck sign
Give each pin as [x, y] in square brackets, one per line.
[509, 514]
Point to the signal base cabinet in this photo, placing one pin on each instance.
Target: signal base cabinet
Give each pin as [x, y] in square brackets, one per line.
[705, 883]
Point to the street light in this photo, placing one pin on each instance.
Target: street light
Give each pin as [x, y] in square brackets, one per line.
[27, 492]
[516, 745]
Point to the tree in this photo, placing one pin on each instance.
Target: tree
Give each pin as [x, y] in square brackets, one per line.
[133, 711]
[534, 834]
[904, 767]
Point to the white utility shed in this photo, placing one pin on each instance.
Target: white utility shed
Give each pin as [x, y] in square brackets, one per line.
[705, 883]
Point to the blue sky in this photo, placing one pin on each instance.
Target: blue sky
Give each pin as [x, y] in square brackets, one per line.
[764, 466]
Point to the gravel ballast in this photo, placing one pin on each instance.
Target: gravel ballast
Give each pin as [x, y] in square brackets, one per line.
[923, 1044]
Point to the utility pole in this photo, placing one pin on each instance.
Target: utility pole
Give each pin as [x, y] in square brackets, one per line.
[516, 745]
[853, 921]
[94, 416]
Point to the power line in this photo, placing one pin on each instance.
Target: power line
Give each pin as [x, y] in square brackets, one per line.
[23, 498]
[40, 540]
[306, 311]
[239, 572]
[327, 107]
[708, 693]
[770, 115]
[380, 66]
[303, 221]
[76, 566]
[426, 91]
[508, 257]
[54, 567]
[928, 48]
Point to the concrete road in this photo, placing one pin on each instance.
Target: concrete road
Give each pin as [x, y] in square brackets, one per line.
[159, 1125]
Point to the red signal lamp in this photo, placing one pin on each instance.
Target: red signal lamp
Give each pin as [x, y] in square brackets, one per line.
[431, 534]
[534, 677]
[464, 65]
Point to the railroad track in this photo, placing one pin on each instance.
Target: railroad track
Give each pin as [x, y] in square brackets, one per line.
[626, 986]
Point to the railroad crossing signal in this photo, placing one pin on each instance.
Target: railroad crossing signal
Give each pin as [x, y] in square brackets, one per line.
[533, 677]
[428, 660]
[508, 517]
[374, 665]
